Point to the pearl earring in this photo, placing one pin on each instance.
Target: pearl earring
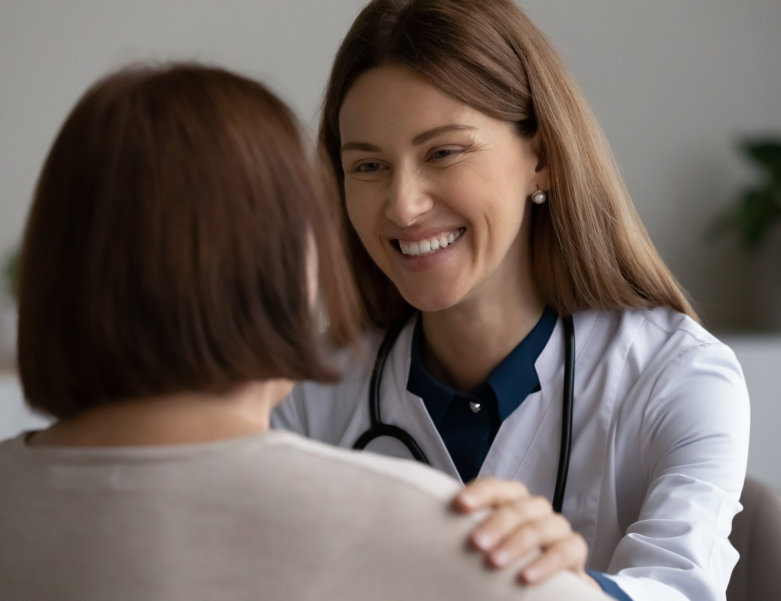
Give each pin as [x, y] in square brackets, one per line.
[539, 197]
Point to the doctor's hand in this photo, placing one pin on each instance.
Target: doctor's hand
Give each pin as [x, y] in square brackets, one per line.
[520, 524]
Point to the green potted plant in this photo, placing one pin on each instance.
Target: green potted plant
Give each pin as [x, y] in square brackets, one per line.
[8, 313]
[752, 220]
[757, 209]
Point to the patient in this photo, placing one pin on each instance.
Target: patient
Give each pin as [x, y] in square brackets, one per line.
[176, 245]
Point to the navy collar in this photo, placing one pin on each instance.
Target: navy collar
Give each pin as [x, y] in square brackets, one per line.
[507, 385]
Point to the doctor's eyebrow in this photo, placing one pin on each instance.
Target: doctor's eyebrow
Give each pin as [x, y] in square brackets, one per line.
[433, 133]
[417, 140]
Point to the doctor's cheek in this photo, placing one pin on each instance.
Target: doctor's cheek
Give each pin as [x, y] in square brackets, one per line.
[522, 528]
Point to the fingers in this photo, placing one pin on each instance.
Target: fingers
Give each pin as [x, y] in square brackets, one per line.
[535, 527]
[519, 525]
[568, 553]
[488, 493]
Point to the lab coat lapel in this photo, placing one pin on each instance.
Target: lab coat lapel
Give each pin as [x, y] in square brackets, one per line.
[407, 410]
[529, 437]
[528, 443]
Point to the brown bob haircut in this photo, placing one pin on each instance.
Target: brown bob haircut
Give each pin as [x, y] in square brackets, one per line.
[171, 245]
[588, 246]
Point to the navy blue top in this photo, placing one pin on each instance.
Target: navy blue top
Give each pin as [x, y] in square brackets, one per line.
[468, 423]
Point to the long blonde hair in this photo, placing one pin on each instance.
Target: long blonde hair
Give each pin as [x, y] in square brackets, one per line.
[589, 247]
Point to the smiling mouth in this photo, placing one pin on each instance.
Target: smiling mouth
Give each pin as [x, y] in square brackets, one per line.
[429, 246]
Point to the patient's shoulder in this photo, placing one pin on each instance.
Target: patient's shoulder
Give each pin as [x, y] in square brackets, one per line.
[317, 456]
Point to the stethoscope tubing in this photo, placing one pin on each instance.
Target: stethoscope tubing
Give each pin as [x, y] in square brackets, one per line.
[377, 428]
[567, 395]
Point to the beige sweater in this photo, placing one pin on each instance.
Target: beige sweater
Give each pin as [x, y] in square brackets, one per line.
[268, 517]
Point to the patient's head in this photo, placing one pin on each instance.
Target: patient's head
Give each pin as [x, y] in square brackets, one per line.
[169, 245]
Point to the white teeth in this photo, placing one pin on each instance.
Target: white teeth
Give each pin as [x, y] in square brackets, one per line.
[426, 247]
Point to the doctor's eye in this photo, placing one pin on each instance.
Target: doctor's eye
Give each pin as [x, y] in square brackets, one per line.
[368, 167]
[445, 153]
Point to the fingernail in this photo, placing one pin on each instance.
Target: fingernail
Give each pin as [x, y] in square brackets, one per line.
[484, 540]
[466, 498]
[530, 575]
[500, 558]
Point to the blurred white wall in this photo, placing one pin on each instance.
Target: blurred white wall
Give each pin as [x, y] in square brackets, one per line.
[760, 357]
[51, 50]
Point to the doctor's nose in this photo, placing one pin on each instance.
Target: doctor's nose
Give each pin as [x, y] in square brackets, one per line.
[407, 199]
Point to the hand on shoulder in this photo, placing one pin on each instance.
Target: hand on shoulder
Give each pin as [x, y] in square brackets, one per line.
[522, 528]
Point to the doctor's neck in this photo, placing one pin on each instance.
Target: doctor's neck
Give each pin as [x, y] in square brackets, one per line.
[462, 345]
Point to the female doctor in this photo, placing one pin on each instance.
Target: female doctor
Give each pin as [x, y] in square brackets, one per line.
[523, 327]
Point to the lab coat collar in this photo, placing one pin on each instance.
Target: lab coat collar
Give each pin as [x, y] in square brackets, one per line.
[550, 363]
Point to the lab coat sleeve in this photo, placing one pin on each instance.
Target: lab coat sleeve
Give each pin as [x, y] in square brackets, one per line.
[286, 415]
[694, 436]
[334, 413]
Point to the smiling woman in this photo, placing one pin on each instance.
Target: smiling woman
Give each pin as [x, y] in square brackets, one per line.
[497, 252]
[434, 168]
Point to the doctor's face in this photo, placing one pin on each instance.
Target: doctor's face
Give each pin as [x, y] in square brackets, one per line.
[436, 190]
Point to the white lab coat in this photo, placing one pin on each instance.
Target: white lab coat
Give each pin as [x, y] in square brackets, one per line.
[660, 442]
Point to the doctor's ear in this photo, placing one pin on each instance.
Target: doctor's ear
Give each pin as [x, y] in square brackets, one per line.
[542, 177]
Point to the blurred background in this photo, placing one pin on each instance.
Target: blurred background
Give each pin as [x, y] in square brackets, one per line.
[678, 87]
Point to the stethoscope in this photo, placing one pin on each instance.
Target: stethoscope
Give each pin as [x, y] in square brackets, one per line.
[378, 429]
